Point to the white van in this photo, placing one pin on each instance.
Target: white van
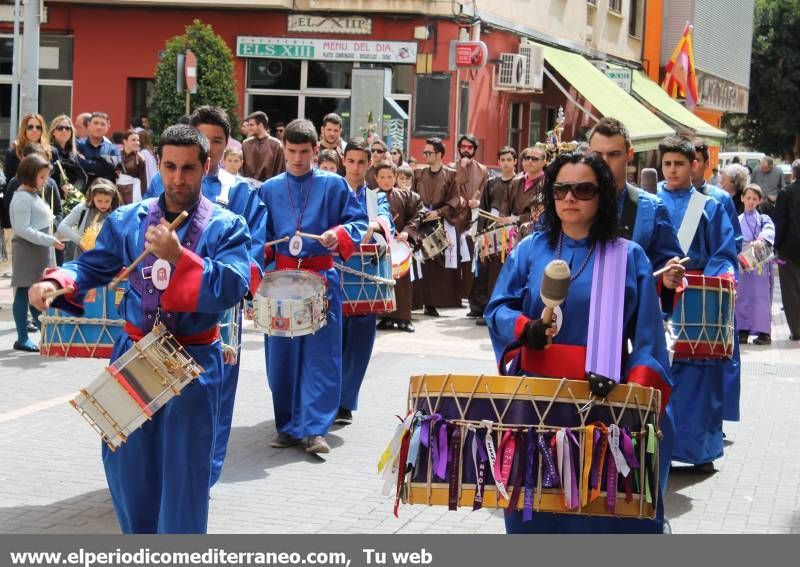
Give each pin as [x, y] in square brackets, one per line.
[753, 159]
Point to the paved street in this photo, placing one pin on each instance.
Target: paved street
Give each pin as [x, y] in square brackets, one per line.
[52, 479]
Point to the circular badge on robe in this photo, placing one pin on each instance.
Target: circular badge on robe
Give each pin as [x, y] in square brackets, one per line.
[558, 317]
[295, 245]
[160, 274]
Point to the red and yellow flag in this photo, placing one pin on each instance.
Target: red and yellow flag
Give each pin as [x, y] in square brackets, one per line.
[680, 79]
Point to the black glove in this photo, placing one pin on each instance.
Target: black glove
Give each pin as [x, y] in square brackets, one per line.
[534, 336]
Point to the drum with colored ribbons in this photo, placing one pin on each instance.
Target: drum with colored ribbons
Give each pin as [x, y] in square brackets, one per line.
[401, 258]
[496, 242]
[229, 333]
[703, 318]
[434, 240]
[756, 256]
[367, 282]
[290, 303]
[90, 336]
[534, 444]
[136, 385]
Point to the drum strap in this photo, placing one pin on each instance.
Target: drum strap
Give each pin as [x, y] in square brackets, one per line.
[630, 204]
[691, 220]
[606, 311]
[150, 296]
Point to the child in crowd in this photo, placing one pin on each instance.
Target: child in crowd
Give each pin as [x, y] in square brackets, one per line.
[405, 176]
[232, 160]
[82, 225]
[754, 288]
[329, 160]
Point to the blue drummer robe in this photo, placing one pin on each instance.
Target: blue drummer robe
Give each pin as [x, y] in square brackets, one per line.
[516, 299]
[305, 373]
[243, 200]
[698, 393]
[160, 478]
[359, 331]
[653, 229]
[732, 379]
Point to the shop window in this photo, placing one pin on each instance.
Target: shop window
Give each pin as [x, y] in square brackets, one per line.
[140, 91]
[279, 108]
[55, 100]
[316, 107]
[55, 57]
[273, 74]
[552, 114]
[402, 75]
[329, 75]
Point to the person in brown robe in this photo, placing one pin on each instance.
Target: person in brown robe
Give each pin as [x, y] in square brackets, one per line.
[435, 185]
[524, 203]
[407, 210]
[263, 154]
[493, 200]
[471, 178]
[133, 164]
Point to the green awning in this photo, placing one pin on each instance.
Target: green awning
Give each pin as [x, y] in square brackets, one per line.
[652, 94]
[646, 129]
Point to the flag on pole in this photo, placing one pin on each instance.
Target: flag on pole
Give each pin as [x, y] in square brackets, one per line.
[680, 79]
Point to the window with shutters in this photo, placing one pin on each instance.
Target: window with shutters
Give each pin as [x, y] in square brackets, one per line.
[615, 6]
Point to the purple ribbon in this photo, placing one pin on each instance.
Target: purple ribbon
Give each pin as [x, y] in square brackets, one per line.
[454, 463]
[530, 475]
[425, 429]
[440, 456]
[549, 474]
[519, 480]
[611, 486]
[630, 457]
[480, 467]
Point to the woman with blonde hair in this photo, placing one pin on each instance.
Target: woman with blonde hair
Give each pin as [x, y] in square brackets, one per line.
[32, 130]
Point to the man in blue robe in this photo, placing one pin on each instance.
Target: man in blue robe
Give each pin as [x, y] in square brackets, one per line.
[160, 478]
[358, 331]
[697, 398]
[305, 373]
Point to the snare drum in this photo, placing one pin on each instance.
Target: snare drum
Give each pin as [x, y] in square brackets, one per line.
[290, 303]
[401, 258]
[136, 385]
[556, 441]
[367, 282]
[703, 319]
[90, 336]
[754, 257]
[229, 333]
[434, 240]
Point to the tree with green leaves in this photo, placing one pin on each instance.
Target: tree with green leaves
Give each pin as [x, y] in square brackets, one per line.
[215, 82]
[772, 124]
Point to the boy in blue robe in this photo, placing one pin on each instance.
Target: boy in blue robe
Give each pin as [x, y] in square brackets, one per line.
[580, 211]
[698, 391]
[160, 478]
[305, 373]
[359, 331]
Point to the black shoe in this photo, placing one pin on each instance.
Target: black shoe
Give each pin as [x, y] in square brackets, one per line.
[762, 339]
[704, 468]
[384, 324]
[406, 326]
[743, 336]
[472, 314]
[344, 417]
[480, 321]
[431, 311]
[32, 328]
[25, 347]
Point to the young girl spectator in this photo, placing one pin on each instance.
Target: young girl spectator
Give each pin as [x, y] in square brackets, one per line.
[754, 289]
[83, 223]
[232, 160]
[31, 221]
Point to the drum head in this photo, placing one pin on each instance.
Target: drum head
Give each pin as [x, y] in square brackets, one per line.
[290, 284]
[401, 252]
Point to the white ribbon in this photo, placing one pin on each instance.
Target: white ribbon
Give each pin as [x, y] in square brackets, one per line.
[389, 472]
[613, 445]
[501, 488]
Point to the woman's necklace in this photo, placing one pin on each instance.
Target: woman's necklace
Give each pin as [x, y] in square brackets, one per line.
[572, 278]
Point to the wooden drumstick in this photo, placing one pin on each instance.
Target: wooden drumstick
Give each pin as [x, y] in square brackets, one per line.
[668, 266]
[57, 292]
[127, 271]
[308, 235]
[278, 241]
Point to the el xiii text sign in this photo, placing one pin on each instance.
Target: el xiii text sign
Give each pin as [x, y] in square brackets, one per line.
[351, 25]
[326, 49]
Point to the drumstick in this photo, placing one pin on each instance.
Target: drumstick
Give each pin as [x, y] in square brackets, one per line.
[307, 235]
[666, 268]
[273, 242]
[127, 271]
[489, 216]
[58, 292]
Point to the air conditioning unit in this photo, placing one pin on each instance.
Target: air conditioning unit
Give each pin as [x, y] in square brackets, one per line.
[534, 66]
[512, 70]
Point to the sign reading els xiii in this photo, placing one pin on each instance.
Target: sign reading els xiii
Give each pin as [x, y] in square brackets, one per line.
[326, 49]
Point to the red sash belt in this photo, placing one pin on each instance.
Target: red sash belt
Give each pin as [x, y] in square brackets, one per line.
[556, 361]
[201, 338]
[312, 263]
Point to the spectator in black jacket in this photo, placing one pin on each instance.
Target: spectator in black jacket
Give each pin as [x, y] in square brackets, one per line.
[787, 243]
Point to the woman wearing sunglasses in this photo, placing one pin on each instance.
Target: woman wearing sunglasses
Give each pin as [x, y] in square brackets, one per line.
[67, 170]
[32, 129]
[581, 228]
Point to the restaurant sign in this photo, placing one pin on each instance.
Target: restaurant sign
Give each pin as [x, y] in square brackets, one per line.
[326, 49]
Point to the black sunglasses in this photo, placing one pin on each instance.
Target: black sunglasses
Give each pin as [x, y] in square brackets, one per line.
[34, 127]
[378, 151]
[582, 191]
[63, 128]
[531, 158]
